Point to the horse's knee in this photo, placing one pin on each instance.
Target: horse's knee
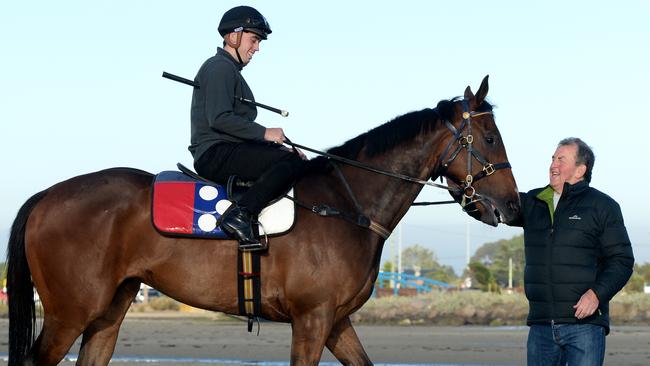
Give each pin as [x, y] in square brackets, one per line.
[310, 332]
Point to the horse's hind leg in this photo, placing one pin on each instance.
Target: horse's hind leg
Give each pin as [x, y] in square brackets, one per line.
[345, 345]
[52, 343]
[99, 338]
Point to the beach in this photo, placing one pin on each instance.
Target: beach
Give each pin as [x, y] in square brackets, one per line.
[194, 340]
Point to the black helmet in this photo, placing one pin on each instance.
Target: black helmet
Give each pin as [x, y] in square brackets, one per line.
[244, 18]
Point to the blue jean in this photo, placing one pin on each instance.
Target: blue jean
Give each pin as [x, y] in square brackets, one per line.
[566, 344]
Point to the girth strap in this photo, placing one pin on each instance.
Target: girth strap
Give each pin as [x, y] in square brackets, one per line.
[248, 286]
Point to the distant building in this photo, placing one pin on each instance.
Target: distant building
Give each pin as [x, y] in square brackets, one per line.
[646, 288]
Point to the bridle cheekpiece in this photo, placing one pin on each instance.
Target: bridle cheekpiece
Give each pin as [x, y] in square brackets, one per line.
[466, 142]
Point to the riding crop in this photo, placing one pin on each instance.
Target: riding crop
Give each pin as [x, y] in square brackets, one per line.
[281, 112]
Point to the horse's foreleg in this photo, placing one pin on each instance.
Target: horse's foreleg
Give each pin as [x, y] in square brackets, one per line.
[98, 342]
[309, 333]
[345, 345]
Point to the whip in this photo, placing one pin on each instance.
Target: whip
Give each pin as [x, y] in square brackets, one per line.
[194, 84]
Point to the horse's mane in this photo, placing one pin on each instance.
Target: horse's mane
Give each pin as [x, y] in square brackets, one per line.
[392, 133]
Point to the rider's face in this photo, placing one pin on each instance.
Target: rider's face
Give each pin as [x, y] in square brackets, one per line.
[250, 43]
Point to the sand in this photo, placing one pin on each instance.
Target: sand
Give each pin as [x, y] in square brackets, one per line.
[204, 338]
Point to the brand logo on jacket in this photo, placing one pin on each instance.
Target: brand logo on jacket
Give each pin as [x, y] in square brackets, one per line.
[575, 217]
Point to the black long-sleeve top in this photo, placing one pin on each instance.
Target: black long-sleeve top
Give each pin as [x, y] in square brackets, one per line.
[217, 115]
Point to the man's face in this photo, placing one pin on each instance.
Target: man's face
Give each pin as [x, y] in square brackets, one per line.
[250, 43]
[563, 168]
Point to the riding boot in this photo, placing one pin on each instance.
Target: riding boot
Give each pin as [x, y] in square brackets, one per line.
[237, 223]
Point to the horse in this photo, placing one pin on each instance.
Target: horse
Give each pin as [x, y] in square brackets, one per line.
[87, 243]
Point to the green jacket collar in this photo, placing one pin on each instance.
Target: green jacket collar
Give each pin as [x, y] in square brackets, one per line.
[568, 190]
[546, 195]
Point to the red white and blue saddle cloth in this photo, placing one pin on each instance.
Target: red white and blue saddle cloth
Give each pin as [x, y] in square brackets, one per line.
[184, 206]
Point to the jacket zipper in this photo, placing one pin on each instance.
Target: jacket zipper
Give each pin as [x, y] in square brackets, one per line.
[549, 257]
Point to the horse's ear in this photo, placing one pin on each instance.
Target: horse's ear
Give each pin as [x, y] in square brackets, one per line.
[482, 91]
[468, 93]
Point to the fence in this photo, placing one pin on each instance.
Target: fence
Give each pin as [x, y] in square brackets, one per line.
[406, 284]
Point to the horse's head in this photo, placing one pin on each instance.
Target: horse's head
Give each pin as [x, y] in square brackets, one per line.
[475, 162]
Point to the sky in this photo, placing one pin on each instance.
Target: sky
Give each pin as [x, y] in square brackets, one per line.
[81, 89]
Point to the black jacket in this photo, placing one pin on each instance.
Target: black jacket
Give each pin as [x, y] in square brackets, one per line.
[583, 245]
[217, 114]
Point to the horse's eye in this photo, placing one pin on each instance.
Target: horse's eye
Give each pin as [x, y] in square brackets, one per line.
[489, 140]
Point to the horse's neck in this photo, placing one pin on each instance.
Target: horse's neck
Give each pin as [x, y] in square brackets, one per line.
[386, 199]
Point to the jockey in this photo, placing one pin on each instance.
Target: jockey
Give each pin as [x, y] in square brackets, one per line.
[226, 140]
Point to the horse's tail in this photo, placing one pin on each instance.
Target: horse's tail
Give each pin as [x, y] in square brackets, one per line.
[20, 290]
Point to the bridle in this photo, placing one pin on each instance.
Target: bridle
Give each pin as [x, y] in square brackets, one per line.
[467, 189]
[466, 142]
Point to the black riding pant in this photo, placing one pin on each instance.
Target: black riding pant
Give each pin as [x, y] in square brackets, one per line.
[273, 168]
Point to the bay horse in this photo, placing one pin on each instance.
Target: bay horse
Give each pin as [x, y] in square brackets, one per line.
[86, 244]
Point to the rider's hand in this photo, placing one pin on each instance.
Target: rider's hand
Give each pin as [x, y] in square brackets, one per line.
[274, 135]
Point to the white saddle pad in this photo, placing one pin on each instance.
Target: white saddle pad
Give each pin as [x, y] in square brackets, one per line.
[274, 219]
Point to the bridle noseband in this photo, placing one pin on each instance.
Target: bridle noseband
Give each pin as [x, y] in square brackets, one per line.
[466, 141]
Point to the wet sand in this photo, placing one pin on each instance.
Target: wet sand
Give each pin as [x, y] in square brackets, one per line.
[203, 338]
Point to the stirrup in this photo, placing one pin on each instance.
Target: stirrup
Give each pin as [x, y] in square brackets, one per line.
[256, 247]
[253, 247]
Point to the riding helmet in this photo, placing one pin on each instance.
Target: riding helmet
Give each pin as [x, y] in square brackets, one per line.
[244, 18]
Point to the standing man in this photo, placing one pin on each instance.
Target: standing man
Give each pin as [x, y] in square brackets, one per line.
[578, 256]
[225, 138]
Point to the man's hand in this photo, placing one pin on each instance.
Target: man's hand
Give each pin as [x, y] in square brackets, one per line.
[587, 304]
[274, 135]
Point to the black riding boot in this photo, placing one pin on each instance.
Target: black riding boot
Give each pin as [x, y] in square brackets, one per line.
[237, 223]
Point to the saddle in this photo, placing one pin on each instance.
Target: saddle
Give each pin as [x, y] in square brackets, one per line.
[188, 205]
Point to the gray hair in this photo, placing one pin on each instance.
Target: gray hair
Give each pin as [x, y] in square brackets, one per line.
[584, 155]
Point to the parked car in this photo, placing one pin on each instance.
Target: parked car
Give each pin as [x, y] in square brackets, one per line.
[151, 293]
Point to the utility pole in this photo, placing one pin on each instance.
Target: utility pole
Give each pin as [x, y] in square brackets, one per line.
[399, 248]
[391, 245]
[467, 283]
[510, 273]
[467, 241]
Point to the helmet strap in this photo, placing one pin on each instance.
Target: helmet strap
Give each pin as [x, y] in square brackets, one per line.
[236, 45]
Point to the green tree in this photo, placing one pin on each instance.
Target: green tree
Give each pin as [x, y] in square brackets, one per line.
[640, 277]
[388, 267]
[483, 276]
[634, 284]
[442, 273]
[644, 271]
[496, 257]
[418, 257]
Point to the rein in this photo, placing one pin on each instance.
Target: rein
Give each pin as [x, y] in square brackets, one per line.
[357, 164]
[468, 190]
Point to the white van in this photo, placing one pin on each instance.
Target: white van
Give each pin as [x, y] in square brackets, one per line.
[150, 293]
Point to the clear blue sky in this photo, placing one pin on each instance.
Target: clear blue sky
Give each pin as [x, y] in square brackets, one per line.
[80, 88]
